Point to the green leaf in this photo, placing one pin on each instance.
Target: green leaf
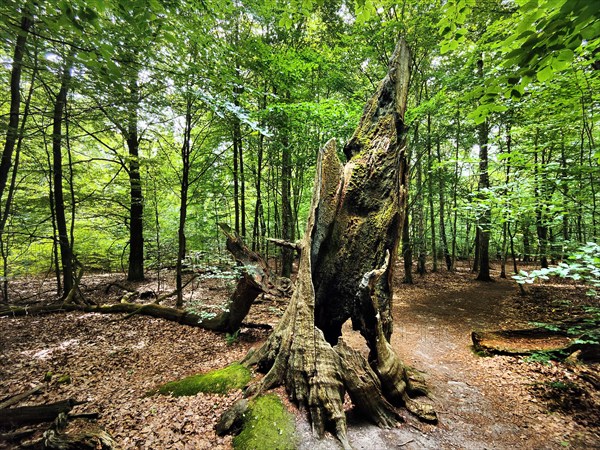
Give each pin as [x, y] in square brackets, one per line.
[545, 74]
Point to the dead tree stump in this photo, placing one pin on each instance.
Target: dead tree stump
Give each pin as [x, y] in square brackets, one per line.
[345, 272]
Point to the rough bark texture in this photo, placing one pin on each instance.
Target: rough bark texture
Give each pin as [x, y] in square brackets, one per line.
[66, 252]
[485, 221]
[15, 99]
[135, 270]
[345, 272]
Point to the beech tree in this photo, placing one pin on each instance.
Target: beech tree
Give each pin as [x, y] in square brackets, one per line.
[345, 273]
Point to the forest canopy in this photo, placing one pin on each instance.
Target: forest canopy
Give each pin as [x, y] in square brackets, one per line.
[131, 129]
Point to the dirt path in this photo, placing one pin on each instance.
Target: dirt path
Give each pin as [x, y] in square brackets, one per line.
[482, 403]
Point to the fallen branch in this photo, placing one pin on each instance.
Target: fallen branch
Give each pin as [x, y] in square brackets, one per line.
[29, 415]
[163, 297]
[19, 397]
[217, 323]
[286, 244]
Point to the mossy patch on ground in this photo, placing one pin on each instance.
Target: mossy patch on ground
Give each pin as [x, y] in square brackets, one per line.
[218, 381]
[267, 424]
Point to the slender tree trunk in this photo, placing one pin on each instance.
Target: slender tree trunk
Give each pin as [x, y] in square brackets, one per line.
[430, 195]
[258, 206]
[184, 189]
[581, 234]
[406, 248]
[455, 189]
[419, 214]
[12, 131]
[526, 243]
[66, 255]
[158, 250]
[236, 179]
[4, 242]
[50, 176]
[442, 195]
[507, 213]
[287, 219]
[484, 225]
[540, 225]
[476, 254]
[564, 172]
[135, 271]
[512, 249]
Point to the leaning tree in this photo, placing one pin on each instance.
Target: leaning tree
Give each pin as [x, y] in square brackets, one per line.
[345, 272]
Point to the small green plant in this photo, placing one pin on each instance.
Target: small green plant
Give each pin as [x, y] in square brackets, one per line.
[539, 357]
[232, 338]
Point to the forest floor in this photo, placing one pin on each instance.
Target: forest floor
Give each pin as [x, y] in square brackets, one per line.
[499, 402]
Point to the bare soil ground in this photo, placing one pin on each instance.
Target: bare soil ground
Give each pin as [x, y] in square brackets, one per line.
[496, 402]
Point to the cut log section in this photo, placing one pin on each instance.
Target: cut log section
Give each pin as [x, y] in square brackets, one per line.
[521, 342]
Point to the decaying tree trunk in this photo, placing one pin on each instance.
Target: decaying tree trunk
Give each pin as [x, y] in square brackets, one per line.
[345, 272]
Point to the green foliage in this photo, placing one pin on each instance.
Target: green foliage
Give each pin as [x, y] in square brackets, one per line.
[219, 381]
[232, 338]
[540, 357]
[267, 424]
[582, 266]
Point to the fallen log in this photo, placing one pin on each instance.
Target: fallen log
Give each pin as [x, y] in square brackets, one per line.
[534, 340]
[13, 400]
[222, 322]
[29, 415]
[254, 280]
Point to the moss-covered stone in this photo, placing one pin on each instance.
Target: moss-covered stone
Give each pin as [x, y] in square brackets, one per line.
[267, 424]
[218, 381]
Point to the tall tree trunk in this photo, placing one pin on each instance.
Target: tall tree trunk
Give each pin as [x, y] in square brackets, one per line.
[507, 213]
[12, 131]
[259, 225]
[184, 189]
[512, 248]
[135, 271]
[287, 217]
[485, 222]
[540, 222]
[419, 214]
[434, 254]
[455, 189]
[4, 244]
[66, 254]
[476, 257]
[345, 272]
[564, 172]
[442, 193]
[236, 178]
[406, 247]
[526, 243]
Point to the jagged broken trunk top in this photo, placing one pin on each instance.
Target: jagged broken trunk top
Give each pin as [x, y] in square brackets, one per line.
[345, 272]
